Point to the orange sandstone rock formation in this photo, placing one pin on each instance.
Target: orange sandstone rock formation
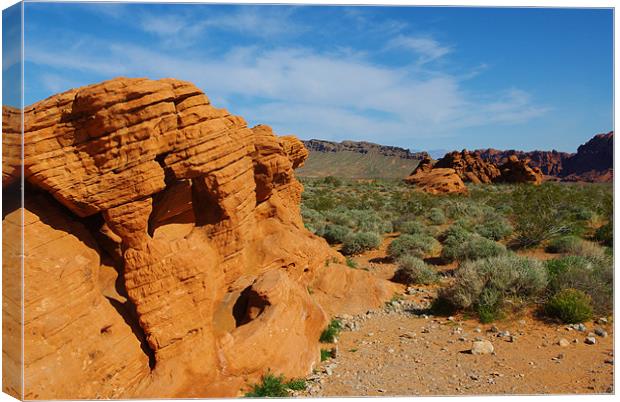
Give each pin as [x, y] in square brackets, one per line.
[469, 166]
[436, 180]
[520, 171]
[165, 255]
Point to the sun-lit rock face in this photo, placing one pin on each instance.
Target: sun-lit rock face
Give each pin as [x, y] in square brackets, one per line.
[436, 180]
[165, 255]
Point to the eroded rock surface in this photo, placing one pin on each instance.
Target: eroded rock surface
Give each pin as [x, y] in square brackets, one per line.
[165, 253]
[435, 180]
[469, 166]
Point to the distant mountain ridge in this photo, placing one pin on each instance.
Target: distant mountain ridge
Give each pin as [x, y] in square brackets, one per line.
[363, 147]
[592, 162]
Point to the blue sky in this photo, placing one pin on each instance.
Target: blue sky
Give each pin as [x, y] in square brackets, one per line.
[421, 78]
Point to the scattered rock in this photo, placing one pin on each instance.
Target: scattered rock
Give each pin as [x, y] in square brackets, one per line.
[590, 340]
[482, 348]
[601, 332]
[563, 342]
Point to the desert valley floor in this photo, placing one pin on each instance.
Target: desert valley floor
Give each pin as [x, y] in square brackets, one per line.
[404, 350]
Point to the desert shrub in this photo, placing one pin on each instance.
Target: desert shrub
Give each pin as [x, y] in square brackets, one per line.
[485, 285]
[351, 263]
[563, 244]
[575, 246]
[494, 227]
[326, 354]
[340, 216]
[332, 181]
[416, 245]
[436, 216]
[357, 243]
[591, 275]
[466, 209]
[335, 233]
[412, 270]
[410, 227]
[332, 331]
[582, 213]
[570, 305]
[605, 234]
[464, 246]
[541, 213]
[275, 387]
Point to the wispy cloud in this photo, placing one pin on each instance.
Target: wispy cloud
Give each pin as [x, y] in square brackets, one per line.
[309, 93]
[425, 48]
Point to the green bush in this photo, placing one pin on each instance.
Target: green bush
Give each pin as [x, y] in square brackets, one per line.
[332, 331]
[605, 234]
[494, 227]
[335, 233]
[436, 216]
[411, 227]
[275, 387]
[563, 244]
[570, 305]
[414, 245]
[326, 354]
[463, 246]
[357, 243]
[485, 285]
[541, 213]
[412, 270]
[575, 246]
[591, 275]
[351, 263]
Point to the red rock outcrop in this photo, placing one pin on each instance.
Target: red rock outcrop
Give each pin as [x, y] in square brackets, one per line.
[519, 171]
[469, 166]
[165, 254]
[436, 180]
[549, 162]
[594, 160]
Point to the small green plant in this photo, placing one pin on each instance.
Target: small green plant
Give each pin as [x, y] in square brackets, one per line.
[332, 331]
[412, 270]
[296, 385]
[335, 233]
[270, 386]
[571, 306]
[326, 354]
[436, 216]
[310, 291]
[357, 243]
[353, 350]
[605, 234]
[591, 275]
[410, 227]
[462, 245]
[563, 244]
[417, 245]
[351, 263]
[487, 284]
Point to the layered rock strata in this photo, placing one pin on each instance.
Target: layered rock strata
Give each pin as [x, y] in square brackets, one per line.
[165, 255]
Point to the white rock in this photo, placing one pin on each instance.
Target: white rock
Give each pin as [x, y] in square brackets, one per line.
[482, 348]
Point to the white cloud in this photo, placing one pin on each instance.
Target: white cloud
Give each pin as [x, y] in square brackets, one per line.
[335, 95]
[427, 49]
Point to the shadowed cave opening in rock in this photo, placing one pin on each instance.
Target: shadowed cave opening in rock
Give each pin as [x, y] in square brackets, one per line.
[248, 306]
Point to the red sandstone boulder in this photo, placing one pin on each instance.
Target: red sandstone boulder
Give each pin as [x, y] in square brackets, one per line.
[469, 166]
[165, 252]
[519, 171]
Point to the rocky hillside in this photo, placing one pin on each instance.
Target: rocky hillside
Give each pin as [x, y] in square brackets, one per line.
[165, 251]
[549, 162]
[593, 161]
[358, 160]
